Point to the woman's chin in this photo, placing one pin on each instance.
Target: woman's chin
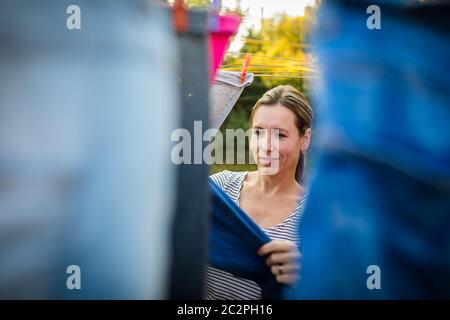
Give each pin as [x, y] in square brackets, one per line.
[268, 170]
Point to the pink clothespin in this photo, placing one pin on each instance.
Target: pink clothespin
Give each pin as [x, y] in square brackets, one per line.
[248, 57]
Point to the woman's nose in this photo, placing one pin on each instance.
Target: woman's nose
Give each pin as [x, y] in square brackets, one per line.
[269, 143]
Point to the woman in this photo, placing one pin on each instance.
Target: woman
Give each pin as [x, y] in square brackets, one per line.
[273, 196]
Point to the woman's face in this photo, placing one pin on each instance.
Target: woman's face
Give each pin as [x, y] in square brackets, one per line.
[275, 142]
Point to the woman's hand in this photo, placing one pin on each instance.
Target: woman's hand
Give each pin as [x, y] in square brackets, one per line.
[283, 259]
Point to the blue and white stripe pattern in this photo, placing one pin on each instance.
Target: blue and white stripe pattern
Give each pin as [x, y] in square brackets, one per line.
[224, 285]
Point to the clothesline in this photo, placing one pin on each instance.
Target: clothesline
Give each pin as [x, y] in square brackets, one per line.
[258, 63]
[270, 67]
[278, 72]
[282, 76]
[261, 70]
[306, 67]
[253, 40]
[262, 65]
[286, 69]
[261, 56]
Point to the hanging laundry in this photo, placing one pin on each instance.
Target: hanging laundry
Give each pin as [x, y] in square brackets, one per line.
[192, 193]
[224, 93]
[79, 156]
[227, 26]
[378, 216]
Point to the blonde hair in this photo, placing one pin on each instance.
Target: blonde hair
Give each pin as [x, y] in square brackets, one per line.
[292, 99]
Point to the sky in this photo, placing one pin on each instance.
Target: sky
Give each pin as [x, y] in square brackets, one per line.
[293, 7]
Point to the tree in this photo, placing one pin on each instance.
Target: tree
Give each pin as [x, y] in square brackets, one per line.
[284, 37]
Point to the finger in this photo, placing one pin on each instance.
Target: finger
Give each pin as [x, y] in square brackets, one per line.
[291, 268]
[282, 258]
[276, 246]
[287, 278]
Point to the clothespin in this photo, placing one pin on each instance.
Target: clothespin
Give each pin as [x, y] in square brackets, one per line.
[180, 16]
[248, 57]
[214, 15]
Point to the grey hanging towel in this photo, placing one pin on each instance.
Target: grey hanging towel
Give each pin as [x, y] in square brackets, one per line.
[224, 94]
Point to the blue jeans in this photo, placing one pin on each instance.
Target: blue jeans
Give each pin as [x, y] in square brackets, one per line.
[380, 192]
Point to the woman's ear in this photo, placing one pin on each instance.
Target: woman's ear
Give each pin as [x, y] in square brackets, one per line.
[306, 140]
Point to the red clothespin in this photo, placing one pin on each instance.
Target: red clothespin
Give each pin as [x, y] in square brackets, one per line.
[180, 16]
[248, 57]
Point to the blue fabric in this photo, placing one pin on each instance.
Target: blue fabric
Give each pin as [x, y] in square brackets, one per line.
[78, 153]
[381, 191]
[234, 240]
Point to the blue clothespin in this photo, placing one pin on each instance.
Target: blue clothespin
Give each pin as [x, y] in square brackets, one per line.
[214, 15]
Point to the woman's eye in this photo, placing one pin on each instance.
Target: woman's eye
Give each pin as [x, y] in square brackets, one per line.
[282, 135]
[256, 132]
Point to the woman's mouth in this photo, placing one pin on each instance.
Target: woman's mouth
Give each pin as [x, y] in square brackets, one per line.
[266, 162]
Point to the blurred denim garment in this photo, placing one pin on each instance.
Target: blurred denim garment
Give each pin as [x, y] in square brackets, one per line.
[84, 168]
[380, 193]
[189, 237]
[234, 240]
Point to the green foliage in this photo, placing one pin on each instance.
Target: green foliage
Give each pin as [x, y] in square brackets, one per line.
[197, 3]
[232, 167]
[281, 36]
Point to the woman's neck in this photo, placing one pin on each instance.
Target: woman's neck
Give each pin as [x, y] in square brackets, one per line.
[281, 182]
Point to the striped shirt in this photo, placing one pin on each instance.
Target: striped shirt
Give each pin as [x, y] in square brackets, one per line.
[223, 285]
